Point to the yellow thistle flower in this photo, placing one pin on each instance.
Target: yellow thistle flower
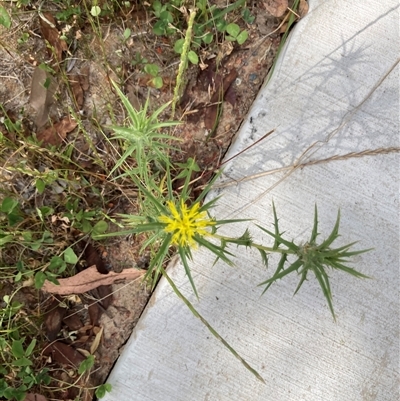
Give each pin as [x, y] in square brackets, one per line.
[186, 223]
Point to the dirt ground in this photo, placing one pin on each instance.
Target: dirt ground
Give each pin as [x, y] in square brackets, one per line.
[229, 76]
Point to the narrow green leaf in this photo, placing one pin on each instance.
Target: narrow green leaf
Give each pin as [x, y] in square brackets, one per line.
[293, 267]
[22, 362]
[182, 254]
[279, 268]
[325, 290]
[333, 235]
[264, 257]
[218, 251]
[31, 347]
[207, 188]
[158, 259]
[210, 328]
[314, 232]
[346, 269]
[303, 278]
[276, 227]
[132, 112]
[293, 247]
[217, 17]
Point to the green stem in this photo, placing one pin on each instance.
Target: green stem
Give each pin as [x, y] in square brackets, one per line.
[183, 63]
[238, 242]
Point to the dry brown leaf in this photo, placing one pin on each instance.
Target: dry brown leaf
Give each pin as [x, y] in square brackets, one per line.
[84, 77]
[211, 114]
[52, 36]
[303, 8]
[55, 134]
[104, 294]
[73, 322]
[43, 88]
[96, 341]
[93, 258]
[35, 397]
[276, 7]
[76, 89]
[53, 320]
[95, 312]
[79, 84]
[89, 279]
[64, 354]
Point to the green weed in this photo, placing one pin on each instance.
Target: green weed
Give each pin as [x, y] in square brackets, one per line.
[181, 223]
[142, 139]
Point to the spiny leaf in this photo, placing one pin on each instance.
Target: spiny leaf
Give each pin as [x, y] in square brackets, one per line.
[183, 256]
[303, 278]
[325, 289]
[293, 247]
[314, 232]
[337, 265]
[280, 267]
[334, 234]
[293, 267]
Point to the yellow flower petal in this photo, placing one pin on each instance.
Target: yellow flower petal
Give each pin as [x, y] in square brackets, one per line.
[186, 223]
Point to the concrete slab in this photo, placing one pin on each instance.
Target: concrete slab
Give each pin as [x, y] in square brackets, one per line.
[335, 91]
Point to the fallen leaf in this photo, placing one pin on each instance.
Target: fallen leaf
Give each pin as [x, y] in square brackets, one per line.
[76, 89]
[95, 312]
[35, 397]
[303, 8]
[276, 7]
[104, 295]
[96, 341]
[55, 134]
[131, 93]
[64, 354]
[211, 114]
[230, 95]
[104, 292]
[43, 87]
[53, 320]
[52, 36]
[73, 322]
[79, 84]
[84, 77]
[92, 257]
[89, 279]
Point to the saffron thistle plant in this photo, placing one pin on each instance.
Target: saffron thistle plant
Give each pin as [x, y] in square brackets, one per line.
[185, 224]
[177, 222]
[143, 139]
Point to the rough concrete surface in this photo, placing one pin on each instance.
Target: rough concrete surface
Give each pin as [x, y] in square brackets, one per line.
[335, 91]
